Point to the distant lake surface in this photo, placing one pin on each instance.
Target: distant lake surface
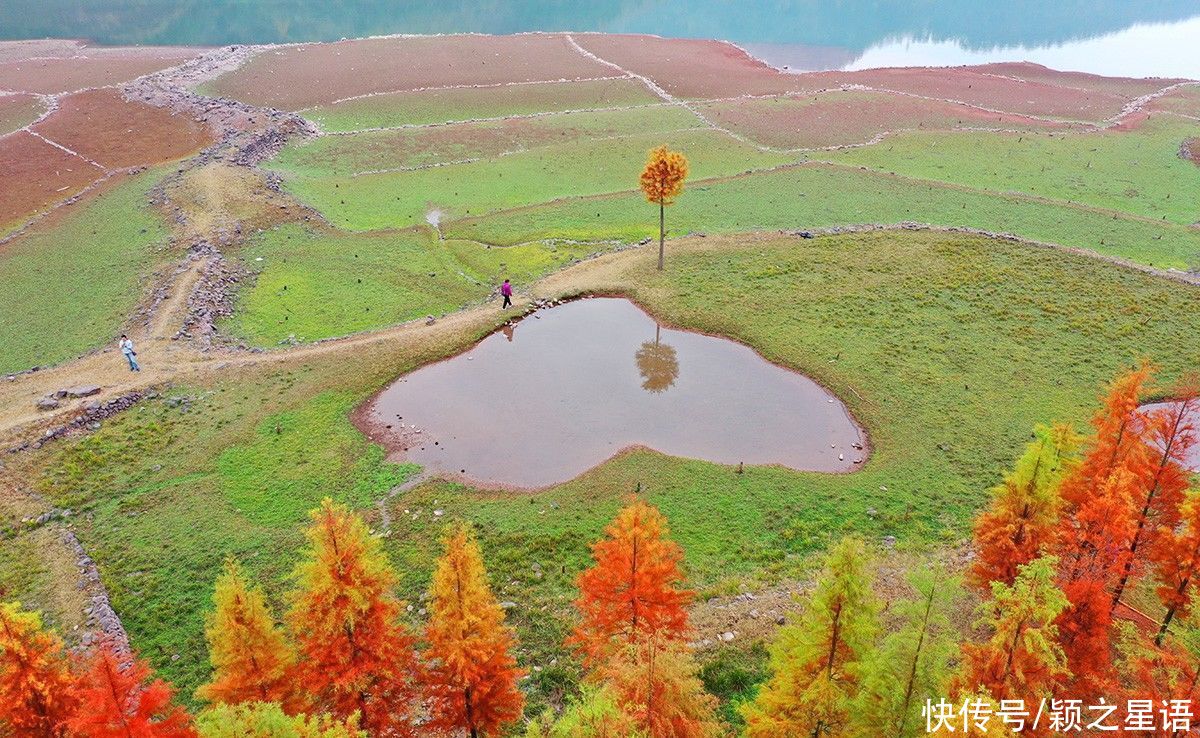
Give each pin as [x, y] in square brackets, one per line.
[1115, 37]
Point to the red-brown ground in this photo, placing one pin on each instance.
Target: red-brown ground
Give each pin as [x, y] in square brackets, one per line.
[692, 68]
[974, 87]
[851, 117]
[96, 68]
[17, 50]
[1124, 86]
[304, 76]
[17, 111]
[37, 175]
[103, 126]
[1190, 150]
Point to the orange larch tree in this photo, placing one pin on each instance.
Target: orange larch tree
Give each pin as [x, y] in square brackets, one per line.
[634, 589]
[1097, 525]
[655, 683]
[355, 654]
[251, 659]
[1177, 565]
[119, 699]
[1020, 523]
[662, 181]
[1162, 477]
[472, 676]
[36, 684]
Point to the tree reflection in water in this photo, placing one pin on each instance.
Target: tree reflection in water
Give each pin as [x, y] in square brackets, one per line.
[658, 364]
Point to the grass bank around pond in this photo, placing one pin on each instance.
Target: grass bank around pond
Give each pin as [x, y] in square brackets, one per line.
[947, 347]
[314, 281]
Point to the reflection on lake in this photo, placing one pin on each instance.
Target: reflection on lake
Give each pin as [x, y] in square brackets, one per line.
[570, 386]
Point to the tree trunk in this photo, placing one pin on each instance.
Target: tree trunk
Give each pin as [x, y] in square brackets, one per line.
[662, 230]
[912, 674]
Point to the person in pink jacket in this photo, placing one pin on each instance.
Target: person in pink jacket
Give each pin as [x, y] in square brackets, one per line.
[506, 290]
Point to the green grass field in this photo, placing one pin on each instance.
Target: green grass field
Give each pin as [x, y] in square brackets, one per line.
[1138, 172]
[820, 196]
[444, 105]
[947, 347]
[318, 283]
[401, 199]
[373, 151]
[71, 282]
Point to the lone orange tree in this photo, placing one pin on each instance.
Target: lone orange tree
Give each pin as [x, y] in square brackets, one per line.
[662, 181]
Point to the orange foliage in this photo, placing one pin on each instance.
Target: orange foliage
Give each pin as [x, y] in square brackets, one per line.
[472, 680]
[1177, 564]
[662, 178]
[655, 683]
[1162, 480]
[356, 656]
[1096, 530]
[118, 701]
[633, 590]
[36, 684]
[251, 660]
[1020, 523]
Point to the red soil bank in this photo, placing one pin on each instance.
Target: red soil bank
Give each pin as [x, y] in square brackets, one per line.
[972, 86]
[37, 175]
[99, 67]
[17, 111]
[304, 76]
[103, 126]
[692, 68]
[851, 117]
[1124, 86]
[17, 50]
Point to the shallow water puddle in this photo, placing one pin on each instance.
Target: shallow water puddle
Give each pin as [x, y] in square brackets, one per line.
[568, 387]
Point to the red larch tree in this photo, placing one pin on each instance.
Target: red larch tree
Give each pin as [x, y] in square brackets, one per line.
[634, 589]
[1097, 524]
[120, 699]
[355, 654]
[36, 684]
[1177, 565]
[1020, 523]
[1170, 434]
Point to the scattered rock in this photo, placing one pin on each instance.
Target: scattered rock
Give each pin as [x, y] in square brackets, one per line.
[83, 390]
[47, 403]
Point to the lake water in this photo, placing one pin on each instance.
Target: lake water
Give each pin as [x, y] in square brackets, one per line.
[1137, 38]
[542, 401]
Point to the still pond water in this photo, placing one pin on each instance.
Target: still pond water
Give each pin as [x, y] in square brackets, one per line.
[1123, 37]
[568, 387]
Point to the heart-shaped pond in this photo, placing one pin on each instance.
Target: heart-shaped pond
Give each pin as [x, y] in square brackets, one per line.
[568, 387]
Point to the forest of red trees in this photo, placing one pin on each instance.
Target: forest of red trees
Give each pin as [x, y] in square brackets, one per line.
[1081, 524]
